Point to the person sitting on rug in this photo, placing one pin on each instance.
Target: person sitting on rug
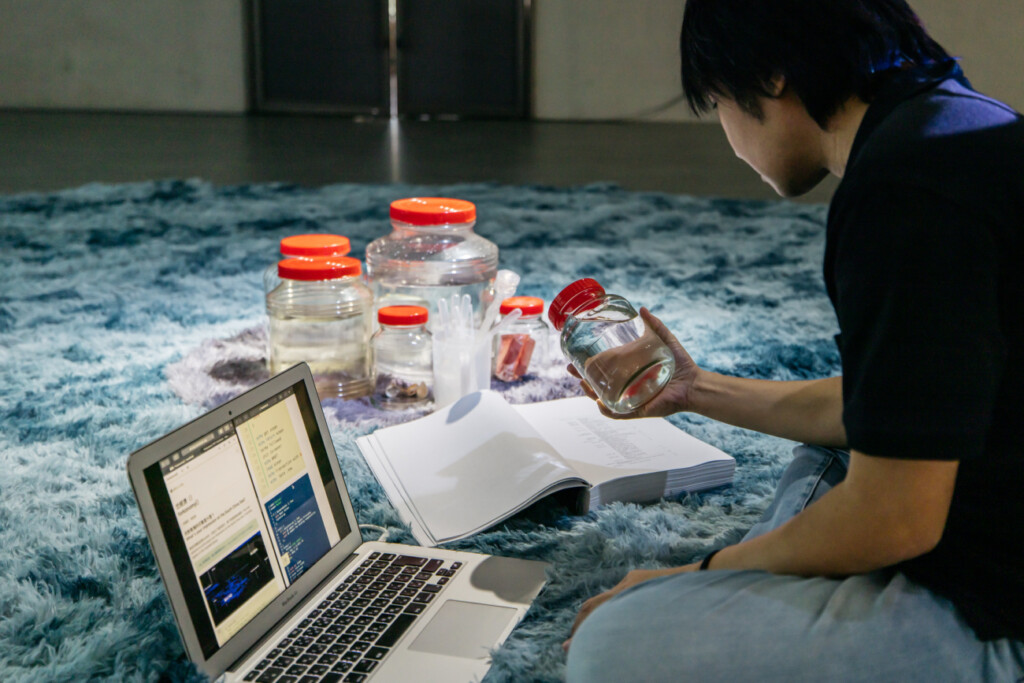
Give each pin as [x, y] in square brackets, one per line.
[894, 547]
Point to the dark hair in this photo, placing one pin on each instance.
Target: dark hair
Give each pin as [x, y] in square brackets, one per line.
[827, 50]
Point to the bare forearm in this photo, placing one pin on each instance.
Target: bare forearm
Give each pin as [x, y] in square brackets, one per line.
[884, 512]
[826, 539]
[808, 411]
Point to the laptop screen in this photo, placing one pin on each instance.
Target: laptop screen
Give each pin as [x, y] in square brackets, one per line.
[246, 510]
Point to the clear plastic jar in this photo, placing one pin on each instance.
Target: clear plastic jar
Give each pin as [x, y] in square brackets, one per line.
[402, 360]
[430, 254]
[320, 313]
[524, 343]
[607, 342]
[313, 245]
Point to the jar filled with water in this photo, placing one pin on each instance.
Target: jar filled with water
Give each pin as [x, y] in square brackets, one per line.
[604, 337]
[320, 313]
[430, 254]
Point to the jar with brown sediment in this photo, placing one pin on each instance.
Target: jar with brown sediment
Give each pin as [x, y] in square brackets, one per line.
[402, 358]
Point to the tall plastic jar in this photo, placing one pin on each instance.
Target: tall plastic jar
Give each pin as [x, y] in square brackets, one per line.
[430, 254]
[320, 314]
[402, 358]
[524, 343]
[313, 245]
[607, 342]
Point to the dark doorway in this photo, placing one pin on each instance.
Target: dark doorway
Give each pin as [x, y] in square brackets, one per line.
[464, 58]
[322, 55]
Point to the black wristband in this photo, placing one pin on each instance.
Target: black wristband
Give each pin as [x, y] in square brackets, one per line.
[707, 559]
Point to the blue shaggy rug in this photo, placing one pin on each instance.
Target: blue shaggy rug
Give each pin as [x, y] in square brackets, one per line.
[128, 310]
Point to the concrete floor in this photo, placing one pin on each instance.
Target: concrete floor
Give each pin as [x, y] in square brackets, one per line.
[42, 151]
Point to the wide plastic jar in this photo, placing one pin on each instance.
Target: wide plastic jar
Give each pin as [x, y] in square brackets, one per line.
[320, 313]
[525, 342]
[430, 254]
[402, 358]
[313, 245]
[607, 342]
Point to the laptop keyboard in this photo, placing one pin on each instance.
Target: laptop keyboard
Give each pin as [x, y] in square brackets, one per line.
[353, 630]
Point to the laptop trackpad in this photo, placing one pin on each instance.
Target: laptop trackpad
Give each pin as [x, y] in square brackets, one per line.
[464, 629]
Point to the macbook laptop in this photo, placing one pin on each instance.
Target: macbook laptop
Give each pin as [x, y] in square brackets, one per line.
[268, 576]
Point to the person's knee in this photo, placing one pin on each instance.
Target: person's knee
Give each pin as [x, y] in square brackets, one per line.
[641, 635]
[684, 627]
[597, 652]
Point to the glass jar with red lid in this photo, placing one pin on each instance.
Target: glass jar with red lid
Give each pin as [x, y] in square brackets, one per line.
[525, 343]
[320, 313]
[431, 253]
[312, 245]
[402, 358]
[604, 337]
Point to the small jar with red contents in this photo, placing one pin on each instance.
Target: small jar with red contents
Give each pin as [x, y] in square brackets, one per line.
[525, 343]
[320, 314]
[402, 358]
[313, 245]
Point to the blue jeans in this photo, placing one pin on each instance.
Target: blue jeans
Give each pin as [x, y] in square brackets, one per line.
[754, 626]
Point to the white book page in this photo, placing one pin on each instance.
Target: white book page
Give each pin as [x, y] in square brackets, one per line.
[602, 449]
[469, 465]
[381, 468]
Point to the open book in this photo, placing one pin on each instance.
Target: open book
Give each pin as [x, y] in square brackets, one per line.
[480, 460]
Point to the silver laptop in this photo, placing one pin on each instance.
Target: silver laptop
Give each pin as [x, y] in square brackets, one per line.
[268, 575]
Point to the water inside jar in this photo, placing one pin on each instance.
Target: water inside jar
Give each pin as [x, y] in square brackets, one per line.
[626, 363]
[335, 349]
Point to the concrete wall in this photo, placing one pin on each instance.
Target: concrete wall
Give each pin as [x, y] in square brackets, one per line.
[599, 59]
[155, 55]
[988, 36]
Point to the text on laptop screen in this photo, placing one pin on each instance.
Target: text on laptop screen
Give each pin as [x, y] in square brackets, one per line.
[256, 505]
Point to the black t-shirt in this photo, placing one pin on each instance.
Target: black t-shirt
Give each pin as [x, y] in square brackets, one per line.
[924, 264]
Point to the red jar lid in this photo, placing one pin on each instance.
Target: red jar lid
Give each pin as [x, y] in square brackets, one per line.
[315, 245]
[433, 211]
[402, 315]
[321, 268]
[572, 298]
[529, 305]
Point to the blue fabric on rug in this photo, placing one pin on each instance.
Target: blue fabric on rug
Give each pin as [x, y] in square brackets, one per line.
[127, 310]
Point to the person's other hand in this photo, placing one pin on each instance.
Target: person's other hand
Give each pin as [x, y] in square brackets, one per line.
[675, 396]
[632, 578]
